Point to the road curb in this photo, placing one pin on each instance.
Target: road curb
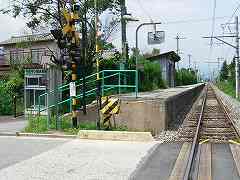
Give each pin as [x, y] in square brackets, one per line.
[45, 135]
[7, 134]
[115, 135]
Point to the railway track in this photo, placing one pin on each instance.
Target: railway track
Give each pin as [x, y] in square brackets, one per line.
[208, 124]
[214, 123]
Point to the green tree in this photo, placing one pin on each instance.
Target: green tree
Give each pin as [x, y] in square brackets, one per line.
[224, 71]
[49, 13]
[186, 77]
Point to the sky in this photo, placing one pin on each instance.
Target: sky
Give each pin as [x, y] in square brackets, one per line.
[183, 17]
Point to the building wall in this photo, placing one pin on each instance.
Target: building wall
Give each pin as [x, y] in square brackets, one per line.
[36, 52]
[168, 71]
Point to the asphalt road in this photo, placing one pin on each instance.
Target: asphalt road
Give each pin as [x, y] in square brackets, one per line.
[10, 125]
[16, 149]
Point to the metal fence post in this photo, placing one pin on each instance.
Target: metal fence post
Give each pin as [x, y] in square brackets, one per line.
[15, 106]
[103, 83]
[136, 83]
[119, 82]
[48, 111]
[39, 110]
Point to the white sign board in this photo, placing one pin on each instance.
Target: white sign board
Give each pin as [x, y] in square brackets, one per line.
[156, 37]
[72, 89]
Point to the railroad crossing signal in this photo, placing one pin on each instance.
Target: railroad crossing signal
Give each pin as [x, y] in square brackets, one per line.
[73, 44]
[111, 106]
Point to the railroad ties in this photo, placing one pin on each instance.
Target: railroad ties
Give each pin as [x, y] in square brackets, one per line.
[215, 125]
[207, 124]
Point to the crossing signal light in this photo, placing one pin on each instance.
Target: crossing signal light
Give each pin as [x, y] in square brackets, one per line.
[76, 7]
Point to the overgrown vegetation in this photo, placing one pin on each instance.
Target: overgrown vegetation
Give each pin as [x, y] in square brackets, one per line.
[10, 87]
[227, 87]
[39, 124]
[150, 75]
[186, 77]
[227, 78]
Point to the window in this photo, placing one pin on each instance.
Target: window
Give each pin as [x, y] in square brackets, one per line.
[43, 81]
[18, 56]
[32, 81]
[37, 55]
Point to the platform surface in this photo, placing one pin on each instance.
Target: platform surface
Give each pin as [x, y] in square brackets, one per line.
[160, 93]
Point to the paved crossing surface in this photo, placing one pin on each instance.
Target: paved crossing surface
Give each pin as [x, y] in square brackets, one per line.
[17, 149]
[10, 125]
[51, 159]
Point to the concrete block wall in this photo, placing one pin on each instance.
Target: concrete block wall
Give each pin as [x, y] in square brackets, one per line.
[154, 115]
[178, 106]
[157, 115]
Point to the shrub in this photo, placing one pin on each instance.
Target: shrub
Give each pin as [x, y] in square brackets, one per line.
[151, 77]
[5, 100]
[9, 88]
[186, 77]
[36, 124]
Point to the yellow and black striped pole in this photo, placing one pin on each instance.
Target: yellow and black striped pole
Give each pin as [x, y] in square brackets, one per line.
[74, 48]
[98, 80]
[75, 58]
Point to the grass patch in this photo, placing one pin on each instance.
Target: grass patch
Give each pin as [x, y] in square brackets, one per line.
[227, 87]
[39, 124]
[36, 125]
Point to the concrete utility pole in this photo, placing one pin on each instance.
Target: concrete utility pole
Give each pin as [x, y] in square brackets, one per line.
[189, 61]
[178, 38]
[236, 47]
[124, 32]
[237, 58]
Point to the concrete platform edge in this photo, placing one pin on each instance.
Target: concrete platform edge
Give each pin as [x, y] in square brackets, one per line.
[144, 159]
[115, 135]
[45, 135]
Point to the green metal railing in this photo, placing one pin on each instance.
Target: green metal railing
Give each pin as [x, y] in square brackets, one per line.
[112, 82]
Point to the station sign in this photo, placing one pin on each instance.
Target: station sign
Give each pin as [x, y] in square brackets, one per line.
[156, 37]
[72, 87]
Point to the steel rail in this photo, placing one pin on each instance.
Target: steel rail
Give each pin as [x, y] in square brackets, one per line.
[187, 175]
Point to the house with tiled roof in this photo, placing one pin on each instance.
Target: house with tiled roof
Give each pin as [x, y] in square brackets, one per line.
[33, 47]
[35, 52]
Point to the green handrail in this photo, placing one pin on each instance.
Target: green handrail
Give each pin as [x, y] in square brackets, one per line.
[104, 88]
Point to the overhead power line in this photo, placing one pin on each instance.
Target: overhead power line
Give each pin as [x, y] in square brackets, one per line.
[144, 10]
[213, 21]
[194, 20]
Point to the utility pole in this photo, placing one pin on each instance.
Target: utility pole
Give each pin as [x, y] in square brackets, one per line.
[236, 47]
[124, 34]
[237, 58]
[178, 38]
[189, 61]
[97, 50]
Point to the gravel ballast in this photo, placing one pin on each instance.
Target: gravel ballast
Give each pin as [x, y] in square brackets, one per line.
[232, 105]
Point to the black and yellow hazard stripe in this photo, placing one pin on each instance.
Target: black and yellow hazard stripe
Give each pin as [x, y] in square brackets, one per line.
[111, 106]
[69, 30]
